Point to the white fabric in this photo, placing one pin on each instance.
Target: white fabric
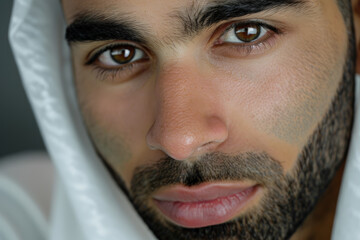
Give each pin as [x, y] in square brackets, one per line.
[25, 196]
[347, 218]
[101, 210]
[89, 205]
[20, 217]
[26, 186]
[64, 222]
[33, 172]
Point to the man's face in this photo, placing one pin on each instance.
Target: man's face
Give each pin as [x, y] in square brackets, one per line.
[220, 118]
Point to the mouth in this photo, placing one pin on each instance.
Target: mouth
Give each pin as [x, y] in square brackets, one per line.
[204, 205]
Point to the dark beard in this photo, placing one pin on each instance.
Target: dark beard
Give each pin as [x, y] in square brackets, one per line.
[289, 198]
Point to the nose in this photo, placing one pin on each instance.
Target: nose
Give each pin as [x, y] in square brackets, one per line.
[189, 119]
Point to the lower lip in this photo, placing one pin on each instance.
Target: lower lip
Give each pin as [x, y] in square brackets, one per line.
[205, 213]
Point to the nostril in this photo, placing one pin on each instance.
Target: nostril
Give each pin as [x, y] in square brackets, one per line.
[180, 143]
[151, 141]
[152, 147]
[183, 137]
[178, 146]
[208, 146]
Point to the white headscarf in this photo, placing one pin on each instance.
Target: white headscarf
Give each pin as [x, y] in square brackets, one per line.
[100, 209]
[89, 205]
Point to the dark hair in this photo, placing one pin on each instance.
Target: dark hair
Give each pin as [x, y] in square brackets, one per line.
[346, 10]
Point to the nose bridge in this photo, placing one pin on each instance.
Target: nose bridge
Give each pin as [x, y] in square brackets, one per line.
[186, 122]
[179, 92]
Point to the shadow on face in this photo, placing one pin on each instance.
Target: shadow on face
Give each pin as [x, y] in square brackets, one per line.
[185, 93]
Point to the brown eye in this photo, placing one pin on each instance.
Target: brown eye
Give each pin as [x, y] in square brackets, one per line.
[123, 54]
[244, 38]
[248, 32]
[245, 33]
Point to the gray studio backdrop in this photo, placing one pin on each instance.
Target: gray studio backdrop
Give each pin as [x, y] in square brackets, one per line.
[18, 130]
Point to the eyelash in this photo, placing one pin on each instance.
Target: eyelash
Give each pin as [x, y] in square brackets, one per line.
[109, 73]
[246, 49]
[242, 49]
[112, 73]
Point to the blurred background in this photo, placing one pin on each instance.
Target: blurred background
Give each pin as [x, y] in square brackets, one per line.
[18, 130]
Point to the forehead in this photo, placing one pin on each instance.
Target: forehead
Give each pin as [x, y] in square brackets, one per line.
[170, 11]
[128, 7]
[160, 9]
[167, 22]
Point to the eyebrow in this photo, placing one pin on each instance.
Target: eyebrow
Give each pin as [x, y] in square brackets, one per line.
[196, 18]
[90, 26]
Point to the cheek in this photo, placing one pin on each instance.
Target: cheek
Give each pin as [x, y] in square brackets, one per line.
[310, 79]
[117, 123]
[276, 101]
[287, 93]
[305, 87]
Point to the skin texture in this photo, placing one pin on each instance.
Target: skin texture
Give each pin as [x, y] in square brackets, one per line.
[279, 116]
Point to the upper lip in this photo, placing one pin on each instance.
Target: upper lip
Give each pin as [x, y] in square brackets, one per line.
[200, 193]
